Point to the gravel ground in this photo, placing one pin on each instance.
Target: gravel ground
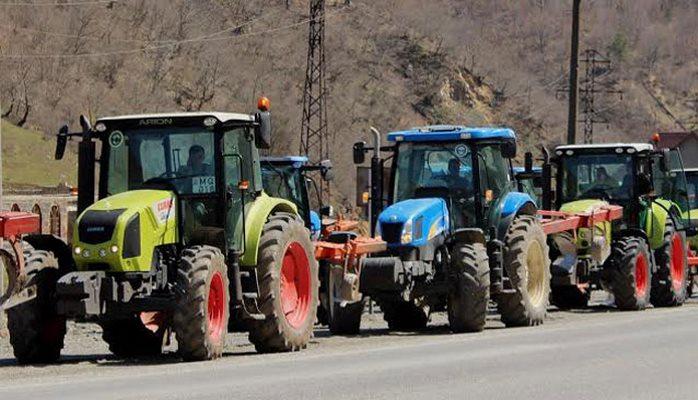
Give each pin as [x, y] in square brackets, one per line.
[84, 347]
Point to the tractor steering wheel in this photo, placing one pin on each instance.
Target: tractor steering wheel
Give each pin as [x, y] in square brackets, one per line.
[599, 191]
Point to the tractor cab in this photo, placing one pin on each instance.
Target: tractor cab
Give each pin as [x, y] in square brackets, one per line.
[287, 178]
[461, 174]
[632, 175]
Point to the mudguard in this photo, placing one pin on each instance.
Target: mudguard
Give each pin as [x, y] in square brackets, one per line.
[513, 204]
[656, 219]
[256, 214]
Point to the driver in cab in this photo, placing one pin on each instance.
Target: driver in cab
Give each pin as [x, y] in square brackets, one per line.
[454, 177]
[603, 180]
[195, 164]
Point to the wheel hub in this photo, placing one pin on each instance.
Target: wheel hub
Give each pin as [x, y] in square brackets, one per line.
[295, 285]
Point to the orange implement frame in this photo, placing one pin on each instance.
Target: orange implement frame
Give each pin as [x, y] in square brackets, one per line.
[13, 225]
[350, 252]
[692, 258]
[559, 221]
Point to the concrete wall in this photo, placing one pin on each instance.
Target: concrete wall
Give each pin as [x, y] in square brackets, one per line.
[57, 211]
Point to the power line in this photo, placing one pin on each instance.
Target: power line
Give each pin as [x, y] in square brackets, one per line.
[166, 41]
[67, 3]
[201, 39]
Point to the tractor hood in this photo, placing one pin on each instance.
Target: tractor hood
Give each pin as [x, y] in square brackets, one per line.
[413, 222]
[119, 233]
[594, 242]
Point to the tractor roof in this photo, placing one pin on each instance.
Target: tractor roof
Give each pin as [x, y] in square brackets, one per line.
[296, 161]
[639, 147]
[220, 116]
[437, 133]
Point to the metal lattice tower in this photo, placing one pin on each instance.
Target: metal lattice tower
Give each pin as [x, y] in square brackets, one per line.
[596, 68]
[314, 133]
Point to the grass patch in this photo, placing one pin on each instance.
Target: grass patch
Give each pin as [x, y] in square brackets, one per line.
[27, 159]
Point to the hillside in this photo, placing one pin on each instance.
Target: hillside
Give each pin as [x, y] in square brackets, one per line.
[27, 158]
[391, 64]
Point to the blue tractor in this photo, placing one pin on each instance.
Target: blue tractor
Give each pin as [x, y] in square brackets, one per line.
[458, 232]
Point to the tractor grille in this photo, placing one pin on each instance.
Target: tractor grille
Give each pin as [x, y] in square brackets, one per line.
[98, 226]
[391, 232]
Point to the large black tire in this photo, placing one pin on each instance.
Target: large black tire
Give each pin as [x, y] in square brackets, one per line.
[470, 292]
[344, 319]
[201, 313]
[628, 273]
[569, 297]
[36, 330]
[130, 338]
[4, 283]
[671, 279]
[403, 315]
[288, 286]
[525, 257]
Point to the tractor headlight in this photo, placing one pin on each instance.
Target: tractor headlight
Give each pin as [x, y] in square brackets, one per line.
[86, 253]
[102, 252]
[114, 249]
[77, 250]
[406, 236]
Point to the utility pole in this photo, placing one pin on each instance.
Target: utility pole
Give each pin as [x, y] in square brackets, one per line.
[595, 67]
[314, 132]
[574, 66]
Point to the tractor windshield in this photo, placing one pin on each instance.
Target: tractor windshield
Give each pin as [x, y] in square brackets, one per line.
[286, 182]
[442, 170]
[179, 157]
[597, 176]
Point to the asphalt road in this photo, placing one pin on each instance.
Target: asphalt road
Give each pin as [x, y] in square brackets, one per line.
[597, 354]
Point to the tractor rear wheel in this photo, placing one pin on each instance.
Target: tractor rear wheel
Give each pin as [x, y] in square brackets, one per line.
[527, 265]
[129, 337]
[568, 297]
[628, 273]
[36, 329]
[670, 281]
[288, 286]
[4, 284]
[470, 292]
[201, 313]
[404, 315]
[343, 319]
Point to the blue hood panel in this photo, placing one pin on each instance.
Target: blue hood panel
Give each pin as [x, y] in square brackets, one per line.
[429, 217]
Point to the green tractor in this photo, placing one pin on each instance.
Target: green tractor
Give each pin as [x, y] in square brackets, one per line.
[692, 215]
[181, 238]
[640, 258]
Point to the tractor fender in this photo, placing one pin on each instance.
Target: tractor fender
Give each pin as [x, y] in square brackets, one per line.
[656, 220]
[513, 204]
[256, 215]
[469, 235]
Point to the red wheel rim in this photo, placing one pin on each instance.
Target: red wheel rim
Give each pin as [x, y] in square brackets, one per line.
[677, 264]
[641, 275]
[216, 307]
[295, 285]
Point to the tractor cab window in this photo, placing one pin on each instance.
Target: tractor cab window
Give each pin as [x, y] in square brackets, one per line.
[692, 183]
[287, 182]
[597, 176]
[179, 158]
[670, 183]
[442, 170]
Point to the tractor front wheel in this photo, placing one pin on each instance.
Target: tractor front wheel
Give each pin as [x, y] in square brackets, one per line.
[528, 267]
[629, 274]
[129, 337]
[404, 315]
[201, 313]
[470, 293]
[670, 282]
[288, 286]
[36, 330]
[344, 318]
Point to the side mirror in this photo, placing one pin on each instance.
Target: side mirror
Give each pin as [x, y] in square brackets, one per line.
[61, 141]
[262, 131]
[509, 149]
[359, 152]
[327, 211]
[528, 162]
[326, 170]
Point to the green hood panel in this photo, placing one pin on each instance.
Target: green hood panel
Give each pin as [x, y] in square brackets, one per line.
[580, 206]
[146, 219]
